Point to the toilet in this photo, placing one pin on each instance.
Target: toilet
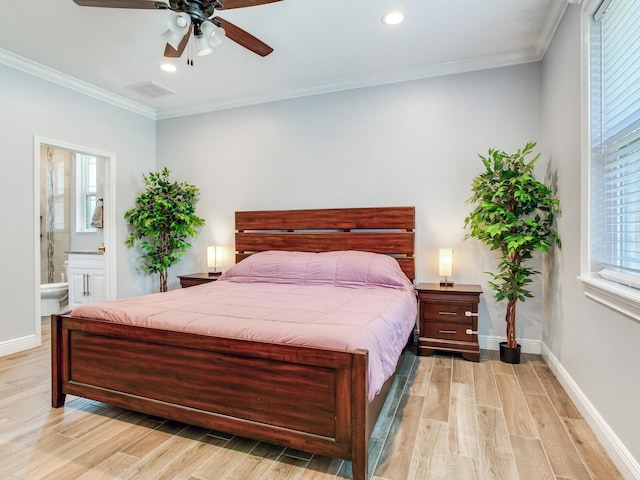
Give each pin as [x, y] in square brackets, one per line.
[53, 296]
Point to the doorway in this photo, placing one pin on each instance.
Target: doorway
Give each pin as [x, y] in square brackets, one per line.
[74, 189]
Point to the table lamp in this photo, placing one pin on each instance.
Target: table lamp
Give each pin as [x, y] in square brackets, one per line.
[446, 266]
[213, 255]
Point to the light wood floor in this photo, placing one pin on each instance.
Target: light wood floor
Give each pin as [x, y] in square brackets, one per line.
[445, 418]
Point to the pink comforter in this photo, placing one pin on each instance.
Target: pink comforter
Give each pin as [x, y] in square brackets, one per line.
[370, 316]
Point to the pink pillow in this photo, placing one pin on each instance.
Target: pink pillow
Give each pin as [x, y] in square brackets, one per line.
[342, 268]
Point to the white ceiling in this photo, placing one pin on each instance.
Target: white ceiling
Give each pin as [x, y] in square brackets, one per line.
[319, 46]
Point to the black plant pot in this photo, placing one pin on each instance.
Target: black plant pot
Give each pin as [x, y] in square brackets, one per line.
[509, 355]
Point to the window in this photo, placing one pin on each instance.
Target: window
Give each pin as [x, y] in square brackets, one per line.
[87, 196]
[615, 142]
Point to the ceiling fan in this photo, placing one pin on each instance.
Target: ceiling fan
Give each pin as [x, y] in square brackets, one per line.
[197, 16]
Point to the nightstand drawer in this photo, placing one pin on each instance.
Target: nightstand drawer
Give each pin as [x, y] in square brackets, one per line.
[448, 331]
[446, 315]
[443, 312]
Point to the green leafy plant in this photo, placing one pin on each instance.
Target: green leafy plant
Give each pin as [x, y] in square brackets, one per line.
[162, 220]
[514, 214]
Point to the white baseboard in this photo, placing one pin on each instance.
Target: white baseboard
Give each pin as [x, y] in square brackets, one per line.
[18, 344]
[628, 466]
[488, 342]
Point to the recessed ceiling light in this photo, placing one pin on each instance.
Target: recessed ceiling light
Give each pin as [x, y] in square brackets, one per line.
[168, 67]
[393, 18]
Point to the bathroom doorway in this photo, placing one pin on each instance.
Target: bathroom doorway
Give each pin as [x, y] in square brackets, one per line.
[74, 194]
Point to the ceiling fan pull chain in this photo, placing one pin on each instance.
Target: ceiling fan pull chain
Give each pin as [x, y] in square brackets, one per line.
[190, 55]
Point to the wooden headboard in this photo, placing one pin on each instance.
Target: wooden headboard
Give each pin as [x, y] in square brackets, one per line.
[388, 230]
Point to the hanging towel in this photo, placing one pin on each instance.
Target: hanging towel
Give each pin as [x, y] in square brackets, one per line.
[96, 221]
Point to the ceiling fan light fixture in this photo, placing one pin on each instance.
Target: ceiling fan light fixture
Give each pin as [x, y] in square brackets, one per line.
[172, 38]
[202, 46]
[217, 36]
[393, 18]
[178, 27]
[210, 37]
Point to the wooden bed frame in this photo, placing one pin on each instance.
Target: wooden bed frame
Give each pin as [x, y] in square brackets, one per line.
[311, 399]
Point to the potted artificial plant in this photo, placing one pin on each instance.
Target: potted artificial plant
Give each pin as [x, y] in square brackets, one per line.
[162, 220]
[514, 214]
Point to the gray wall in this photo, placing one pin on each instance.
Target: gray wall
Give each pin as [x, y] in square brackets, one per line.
[34, 107]
[592, 345]
[413, 143]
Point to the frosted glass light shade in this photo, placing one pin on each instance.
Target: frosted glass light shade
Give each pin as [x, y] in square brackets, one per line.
[217, 36]
[203, 47]
[213, 257]
[178, 27]
[211, 36]
[446, 262]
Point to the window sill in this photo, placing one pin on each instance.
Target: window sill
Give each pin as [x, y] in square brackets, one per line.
[625, 300]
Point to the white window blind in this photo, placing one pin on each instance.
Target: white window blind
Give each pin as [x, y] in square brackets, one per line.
[615, 138]
[86, 196]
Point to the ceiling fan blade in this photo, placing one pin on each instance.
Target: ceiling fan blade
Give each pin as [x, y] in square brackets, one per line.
[243, 38]
[228, 4]
[150, 4]
[171, 52]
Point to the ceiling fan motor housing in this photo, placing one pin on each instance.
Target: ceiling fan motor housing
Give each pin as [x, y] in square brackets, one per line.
[198, 10]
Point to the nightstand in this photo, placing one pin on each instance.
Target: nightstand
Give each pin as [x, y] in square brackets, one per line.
[448, 319]
[197, 279]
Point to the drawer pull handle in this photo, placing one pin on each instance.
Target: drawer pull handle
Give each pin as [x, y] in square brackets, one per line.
[447, 313]
[470, 314]
[471, 332]
[452, 332]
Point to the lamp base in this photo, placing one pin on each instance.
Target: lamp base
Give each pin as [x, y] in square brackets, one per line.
[447, 284]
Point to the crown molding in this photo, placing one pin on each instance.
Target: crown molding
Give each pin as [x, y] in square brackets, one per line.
[552, 20]
[359, 81]
[337, 85]
[20, 63]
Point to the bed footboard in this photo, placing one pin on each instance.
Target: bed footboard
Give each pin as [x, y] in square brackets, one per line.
[306, 398]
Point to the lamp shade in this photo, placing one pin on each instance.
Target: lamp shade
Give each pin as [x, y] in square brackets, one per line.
[178, 27]
[217, 36]
[210, 36]
[446, 262]
[212, 258]
[203, 47]
[215, 258]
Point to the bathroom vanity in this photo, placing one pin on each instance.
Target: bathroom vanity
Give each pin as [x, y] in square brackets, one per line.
[86, 277]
